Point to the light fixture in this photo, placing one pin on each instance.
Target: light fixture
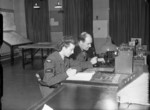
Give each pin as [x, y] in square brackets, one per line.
[58, 5]
[36, 6]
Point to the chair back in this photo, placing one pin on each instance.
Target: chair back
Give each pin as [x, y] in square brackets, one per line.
[40, 75]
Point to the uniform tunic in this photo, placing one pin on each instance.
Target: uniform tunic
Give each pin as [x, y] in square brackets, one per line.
[82, 58]
[54, 71]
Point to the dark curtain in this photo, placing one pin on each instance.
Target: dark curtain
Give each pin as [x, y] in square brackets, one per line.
[37, 21]
[77, 17]
[129, 19]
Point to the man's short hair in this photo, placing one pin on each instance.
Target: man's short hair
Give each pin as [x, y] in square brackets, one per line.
[82, 36]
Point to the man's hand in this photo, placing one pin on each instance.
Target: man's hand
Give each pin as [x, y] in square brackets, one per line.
[71, 72]
[94, 60]
[101, 60]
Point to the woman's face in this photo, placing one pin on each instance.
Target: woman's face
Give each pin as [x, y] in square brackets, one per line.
[69, 50]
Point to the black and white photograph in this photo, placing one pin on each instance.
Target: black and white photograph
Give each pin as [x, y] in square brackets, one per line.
[74, 55]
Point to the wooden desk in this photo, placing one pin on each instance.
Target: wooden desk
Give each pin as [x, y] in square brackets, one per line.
[72, 96]
[86, 95]
[32, 49]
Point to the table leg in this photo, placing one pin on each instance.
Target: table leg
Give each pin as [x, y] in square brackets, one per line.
[23, 59]
[12, 55]
[42, 55]
[32, 55]
[48, 52]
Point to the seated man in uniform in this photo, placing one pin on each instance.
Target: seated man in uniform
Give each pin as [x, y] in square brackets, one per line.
[80, 56]
[57, 66]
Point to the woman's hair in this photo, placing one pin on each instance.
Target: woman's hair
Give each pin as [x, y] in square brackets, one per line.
[65, 42]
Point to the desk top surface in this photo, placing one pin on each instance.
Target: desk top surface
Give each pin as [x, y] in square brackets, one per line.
[74, 96]
[88, 97]
[14, 39]
[39, 45]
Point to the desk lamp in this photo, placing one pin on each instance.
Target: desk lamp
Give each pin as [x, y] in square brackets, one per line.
[109, 50]
[108, 46]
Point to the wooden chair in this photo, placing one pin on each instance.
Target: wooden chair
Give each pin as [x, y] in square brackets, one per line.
[40, 75]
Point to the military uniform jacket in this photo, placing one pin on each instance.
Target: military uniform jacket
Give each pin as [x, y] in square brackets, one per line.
[81, 57]
[55, 68]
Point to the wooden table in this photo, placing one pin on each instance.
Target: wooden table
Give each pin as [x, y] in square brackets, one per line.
[32, 49]
[13, 40]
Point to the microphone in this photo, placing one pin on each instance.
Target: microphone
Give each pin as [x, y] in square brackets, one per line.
[136, 43]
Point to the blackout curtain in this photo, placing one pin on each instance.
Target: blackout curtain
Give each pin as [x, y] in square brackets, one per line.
[127, 19]
[37, 21]
[77, 17]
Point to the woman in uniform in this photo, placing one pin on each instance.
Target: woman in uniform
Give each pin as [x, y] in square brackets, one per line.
[57, 66]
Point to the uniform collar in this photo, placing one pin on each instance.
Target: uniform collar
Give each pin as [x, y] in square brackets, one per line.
[81, 48]
[57, 55]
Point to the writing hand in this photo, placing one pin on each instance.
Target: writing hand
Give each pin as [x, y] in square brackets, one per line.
[71, 72]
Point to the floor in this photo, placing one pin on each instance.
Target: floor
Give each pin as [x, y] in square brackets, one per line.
[20, 85]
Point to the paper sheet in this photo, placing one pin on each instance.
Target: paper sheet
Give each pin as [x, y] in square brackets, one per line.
[82, 76]
[46, 107]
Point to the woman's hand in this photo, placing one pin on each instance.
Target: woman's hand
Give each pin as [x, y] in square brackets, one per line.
[71, 72]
